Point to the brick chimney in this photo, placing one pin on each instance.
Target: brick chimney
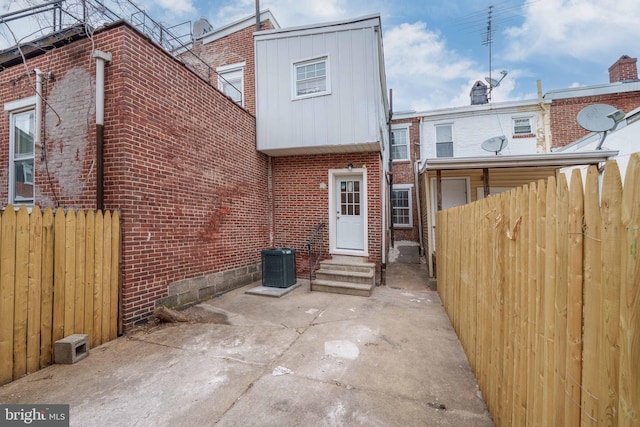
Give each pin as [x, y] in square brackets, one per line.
[623, 69]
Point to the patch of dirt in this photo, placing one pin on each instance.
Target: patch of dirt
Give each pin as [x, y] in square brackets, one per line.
[194, 314]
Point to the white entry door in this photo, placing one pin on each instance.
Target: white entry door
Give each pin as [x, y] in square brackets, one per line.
[349, 212]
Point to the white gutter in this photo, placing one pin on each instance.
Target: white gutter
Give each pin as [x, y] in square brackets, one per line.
[525, 160]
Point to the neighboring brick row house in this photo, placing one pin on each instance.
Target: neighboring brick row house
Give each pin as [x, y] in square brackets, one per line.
[201, 184]
[451, 154]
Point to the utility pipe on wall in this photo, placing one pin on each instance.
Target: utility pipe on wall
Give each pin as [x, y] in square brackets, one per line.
[38, 118]
[101, 58]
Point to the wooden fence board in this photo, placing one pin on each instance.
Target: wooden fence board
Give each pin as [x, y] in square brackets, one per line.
[46, 312]
[59, 276]
[48, 272]
[70, 273]
[21, 294]
[561, 260]
[532, 300]
[549, 307]
[106, 277]
[114, 285]
[7, 293]
[629, 381]
[610, 310]
[574, 300]
[90, 251]
[592, 299]
[35, 290]
[96, 339]
[80, 247]
[541, 212]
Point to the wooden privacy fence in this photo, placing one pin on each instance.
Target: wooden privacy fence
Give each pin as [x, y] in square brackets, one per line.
[542, 285]
[59, 275]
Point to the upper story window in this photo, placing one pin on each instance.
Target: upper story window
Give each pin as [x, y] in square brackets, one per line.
[444, 141]
[22, 125]
[311, 78]
[522, 126]
[231, 81]
[400, 143]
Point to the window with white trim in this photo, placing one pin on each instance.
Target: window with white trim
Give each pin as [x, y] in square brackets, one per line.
[400, 143]
[231, 82]
[522, 126]
[401, 206]
[22, 123]
[444, 141]
[311, 78]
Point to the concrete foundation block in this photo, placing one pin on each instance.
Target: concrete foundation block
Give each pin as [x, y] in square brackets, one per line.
[72, 348]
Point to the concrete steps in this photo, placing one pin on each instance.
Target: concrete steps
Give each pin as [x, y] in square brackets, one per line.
[345, 275]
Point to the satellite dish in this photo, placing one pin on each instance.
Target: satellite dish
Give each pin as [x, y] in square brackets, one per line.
[597, 118]
[492, 82]
[495, 83]
[495, 144]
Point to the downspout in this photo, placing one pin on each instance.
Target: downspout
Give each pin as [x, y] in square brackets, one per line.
[416, 173]
[38, 117]
[101, 58]
[417, 186]
[390, 171]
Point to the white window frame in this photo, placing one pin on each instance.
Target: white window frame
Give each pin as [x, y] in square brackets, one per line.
[306, 62]
[403, 127]
[438, 142]
[408, 188]
[229, 72]
[14, 108]
[513, 124]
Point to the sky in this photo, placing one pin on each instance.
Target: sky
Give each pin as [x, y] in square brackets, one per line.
[436, 50]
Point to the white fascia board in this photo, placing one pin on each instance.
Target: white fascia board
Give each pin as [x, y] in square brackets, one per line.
[526, 160]
[594, 90]
[351, 24]
[234, 27]
[529, 105]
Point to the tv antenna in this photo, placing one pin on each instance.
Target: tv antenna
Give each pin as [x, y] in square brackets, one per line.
[600, 118]
[495, 144]
[488, 41]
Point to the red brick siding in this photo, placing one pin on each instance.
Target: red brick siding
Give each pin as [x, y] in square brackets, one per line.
[180, 163]
[403, 174]
[624, 68]
[565, 128]
[301, 202]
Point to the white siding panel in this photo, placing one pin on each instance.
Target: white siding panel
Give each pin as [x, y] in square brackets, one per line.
[348, 115]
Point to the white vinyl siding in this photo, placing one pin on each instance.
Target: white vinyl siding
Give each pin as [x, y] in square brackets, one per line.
[400, 144]
[311, 78]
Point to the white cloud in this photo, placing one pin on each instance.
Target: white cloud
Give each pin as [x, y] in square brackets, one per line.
[423, 72]
[178, 7]
[582, 29]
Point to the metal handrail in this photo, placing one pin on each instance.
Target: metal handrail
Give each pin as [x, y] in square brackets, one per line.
[312, 249]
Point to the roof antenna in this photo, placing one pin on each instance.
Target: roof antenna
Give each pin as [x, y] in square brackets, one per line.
[488, 41]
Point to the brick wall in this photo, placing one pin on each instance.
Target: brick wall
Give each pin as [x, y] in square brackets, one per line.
[565, 128]
[180, 162]
[403, 174]
[300, 194]
[231, 49]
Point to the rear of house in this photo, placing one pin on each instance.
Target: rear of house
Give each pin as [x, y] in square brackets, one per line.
[179, 162]
[322, 118]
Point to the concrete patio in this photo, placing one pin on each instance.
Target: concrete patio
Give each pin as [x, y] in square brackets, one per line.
[304, 359]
